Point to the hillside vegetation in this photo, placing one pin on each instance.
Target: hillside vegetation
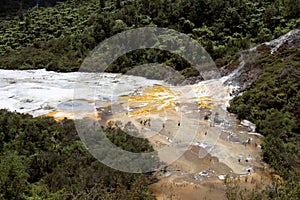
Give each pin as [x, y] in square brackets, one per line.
[60, 37]
[44, 159]
[272, 102]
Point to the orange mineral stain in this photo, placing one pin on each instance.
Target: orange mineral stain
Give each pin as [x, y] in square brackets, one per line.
[60, 115]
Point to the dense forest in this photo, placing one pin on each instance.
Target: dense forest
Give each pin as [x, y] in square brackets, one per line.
[11, 8]
[60, 37]
[45, 159]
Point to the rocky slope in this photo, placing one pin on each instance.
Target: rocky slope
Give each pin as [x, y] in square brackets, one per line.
[245, 66]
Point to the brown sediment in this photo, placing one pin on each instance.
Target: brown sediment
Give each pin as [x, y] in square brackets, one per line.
[162, 103]
[173, 187]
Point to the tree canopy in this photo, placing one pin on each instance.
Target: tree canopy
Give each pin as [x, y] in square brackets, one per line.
[60, 37]
[44, 159]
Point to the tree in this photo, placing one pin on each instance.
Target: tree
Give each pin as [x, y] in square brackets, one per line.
[13, 176]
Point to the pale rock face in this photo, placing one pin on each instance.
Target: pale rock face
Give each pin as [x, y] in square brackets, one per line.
[39, 92]
[249, 124]
[290, 39]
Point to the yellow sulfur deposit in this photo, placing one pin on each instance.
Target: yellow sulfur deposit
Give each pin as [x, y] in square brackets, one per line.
[155, 99]
[205, 102]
